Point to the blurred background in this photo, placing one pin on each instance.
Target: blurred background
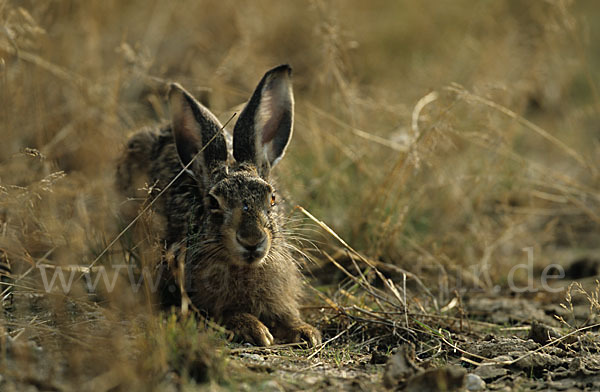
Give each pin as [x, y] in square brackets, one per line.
[441, 137]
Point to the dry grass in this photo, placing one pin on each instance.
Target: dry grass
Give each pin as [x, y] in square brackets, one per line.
[434, 141]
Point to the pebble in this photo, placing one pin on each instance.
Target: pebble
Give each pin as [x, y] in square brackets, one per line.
[474, 383]
[254, 357]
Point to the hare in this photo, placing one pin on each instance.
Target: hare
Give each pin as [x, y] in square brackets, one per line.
[224, 212]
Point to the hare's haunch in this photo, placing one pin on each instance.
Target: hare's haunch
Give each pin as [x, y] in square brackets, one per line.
[224, 212]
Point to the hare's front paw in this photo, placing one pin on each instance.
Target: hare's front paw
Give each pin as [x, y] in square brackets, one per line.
[306, 332]
[249, 329]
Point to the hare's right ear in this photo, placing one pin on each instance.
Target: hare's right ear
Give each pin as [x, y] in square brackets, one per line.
[195, 128]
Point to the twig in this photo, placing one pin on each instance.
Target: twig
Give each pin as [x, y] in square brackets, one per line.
[360, 133]
[461, 92]
[424, 101]
[368, 289]
[357, 254]
[274, 347]
[54, 69]
[322, 346]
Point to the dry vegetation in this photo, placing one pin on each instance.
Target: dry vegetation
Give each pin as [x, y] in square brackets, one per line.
[437, 145]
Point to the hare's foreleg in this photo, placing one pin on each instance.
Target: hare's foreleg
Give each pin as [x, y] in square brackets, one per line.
[293, 329]
[249, 328]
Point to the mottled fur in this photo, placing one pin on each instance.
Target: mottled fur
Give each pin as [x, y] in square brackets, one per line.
[223, 212]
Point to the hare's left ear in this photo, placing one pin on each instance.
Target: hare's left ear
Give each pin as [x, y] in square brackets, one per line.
[264, 129]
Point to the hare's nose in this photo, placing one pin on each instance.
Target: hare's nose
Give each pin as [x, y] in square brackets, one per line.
[251, 242]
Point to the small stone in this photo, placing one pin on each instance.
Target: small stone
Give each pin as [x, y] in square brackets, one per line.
[541, 333]
[474, 383]
[490, 372]
[273, 386]
[253, 357]
[400, 366]
[447, 378]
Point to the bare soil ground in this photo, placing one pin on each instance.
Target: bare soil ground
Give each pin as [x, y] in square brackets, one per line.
[482, 341]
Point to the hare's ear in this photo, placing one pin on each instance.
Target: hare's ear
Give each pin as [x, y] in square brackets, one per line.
[264, 129]
[195, 127]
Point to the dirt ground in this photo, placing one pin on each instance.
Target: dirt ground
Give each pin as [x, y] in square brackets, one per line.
[499, 342]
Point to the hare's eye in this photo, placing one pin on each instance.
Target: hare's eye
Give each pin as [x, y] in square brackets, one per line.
[273, 199]
[245, 207]
[213, 203]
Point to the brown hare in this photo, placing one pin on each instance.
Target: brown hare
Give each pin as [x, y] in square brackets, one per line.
[224, 211]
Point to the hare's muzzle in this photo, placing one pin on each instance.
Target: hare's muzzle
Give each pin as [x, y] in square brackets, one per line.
[253, 247]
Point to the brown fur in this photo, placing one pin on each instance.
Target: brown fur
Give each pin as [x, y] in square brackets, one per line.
[238, 267]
